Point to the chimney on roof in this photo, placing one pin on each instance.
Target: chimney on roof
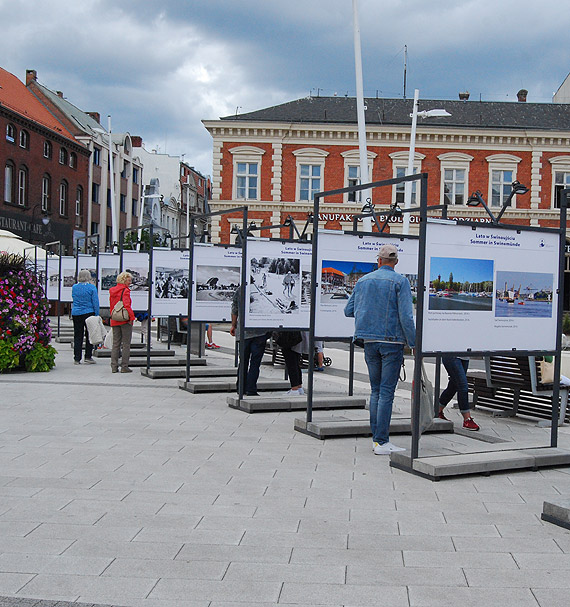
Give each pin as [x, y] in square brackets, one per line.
[137, 141]
[95, 115]
[464, 96]
[31, 76]
[59, 94]
[521, 95]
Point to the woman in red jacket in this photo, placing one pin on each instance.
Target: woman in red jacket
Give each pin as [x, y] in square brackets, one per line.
[122, 330]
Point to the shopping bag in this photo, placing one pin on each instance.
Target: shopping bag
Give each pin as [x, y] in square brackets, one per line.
[426, 401]
[96, 330]
[108, 343]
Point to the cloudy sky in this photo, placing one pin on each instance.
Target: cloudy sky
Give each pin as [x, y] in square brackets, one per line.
[161, 66]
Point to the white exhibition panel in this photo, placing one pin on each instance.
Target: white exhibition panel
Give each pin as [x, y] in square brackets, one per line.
[341, 260]
[216, 276]
[138, 265]
[108, 272]
[170, 272]
[88, 262]
[53, 278]
[67, 277]
[504, 291]
[278, 284]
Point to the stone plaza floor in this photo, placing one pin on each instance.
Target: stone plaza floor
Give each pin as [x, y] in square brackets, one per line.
[121, 490]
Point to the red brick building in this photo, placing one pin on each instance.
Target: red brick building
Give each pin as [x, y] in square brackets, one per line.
[274, 159]
[44, 169]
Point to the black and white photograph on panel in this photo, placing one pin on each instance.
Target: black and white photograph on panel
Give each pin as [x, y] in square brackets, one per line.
[488, 288]
[140, 278]
[67, 277]
[108, 278]
[275, 294]
[171, 283]
[342, 260]
[275, 286]
[215, 283]
[216, 276]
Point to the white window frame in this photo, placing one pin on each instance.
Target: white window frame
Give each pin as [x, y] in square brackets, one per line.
[246, 154]
[22, 186]
[456, 161]
[48, 149]
[400, 161]
[24, 139]
[46, 190]
[560, 164]
[501, 162]
[311, 157]
[352, 159]
[9, 174]
[63, 198]
[11, 133]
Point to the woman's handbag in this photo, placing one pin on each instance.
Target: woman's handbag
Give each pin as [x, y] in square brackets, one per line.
[119, 313]
[547, 370]
[287, 339]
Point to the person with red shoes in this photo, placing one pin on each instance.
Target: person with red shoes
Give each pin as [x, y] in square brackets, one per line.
[210, 345]
[456, 368]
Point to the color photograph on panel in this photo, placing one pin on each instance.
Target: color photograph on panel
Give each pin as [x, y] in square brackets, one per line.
[339, 277]
[524, 294]
[461, 284]
[275, 285]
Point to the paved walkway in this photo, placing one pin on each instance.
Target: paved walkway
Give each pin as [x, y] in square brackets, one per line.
[118, 489]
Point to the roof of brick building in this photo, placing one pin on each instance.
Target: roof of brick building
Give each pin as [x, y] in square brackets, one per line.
[396, 112]
[16, 97]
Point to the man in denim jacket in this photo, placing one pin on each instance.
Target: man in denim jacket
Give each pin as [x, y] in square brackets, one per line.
[381, 305]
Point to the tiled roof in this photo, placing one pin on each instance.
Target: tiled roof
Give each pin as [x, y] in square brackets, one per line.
[464, 114]
[15, 96]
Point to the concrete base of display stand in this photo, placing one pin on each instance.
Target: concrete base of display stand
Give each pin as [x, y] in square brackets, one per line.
[139, 352]
[336, 427]
[257, 404]
[447, 466]
[198, 372]
[229, 385]
[165, 362]
[557, 512]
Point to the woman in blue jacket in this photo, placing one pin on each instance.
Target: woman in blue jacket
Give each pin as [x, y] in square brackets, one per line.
[85, 304]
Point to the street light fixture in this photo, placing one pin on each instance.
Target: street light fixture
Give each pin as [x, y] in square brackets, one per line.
[45, 219]
[436, 113]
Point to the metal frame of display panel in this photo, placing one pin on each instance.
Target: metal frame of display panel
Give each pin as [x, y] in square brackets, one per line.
[48, 245]
[394, 210]
[419, 354]
[192, 235]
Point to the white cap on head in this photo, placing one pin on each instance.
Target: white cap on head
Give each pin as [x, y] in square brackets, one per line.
[388, 252]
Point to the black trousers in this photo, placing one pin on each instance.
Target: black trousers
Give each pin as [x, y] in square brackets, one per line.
[293, 364]
[79, 333]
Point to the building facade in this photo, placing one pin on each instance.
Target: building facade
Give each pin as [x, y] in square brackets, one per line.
[127, 167]
[275, 159]
[44, 178]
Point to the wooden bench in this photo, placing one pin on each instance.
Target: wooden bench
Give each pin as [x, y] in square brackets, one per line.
[512, 386]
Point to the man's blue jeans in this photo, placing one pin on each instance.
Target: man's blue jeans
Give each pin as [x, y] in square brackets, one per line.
[384, 361]
[254, 349]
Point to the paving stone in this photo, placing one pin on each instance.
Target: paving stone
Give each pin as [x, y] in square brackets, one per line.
[446, 596]
[344, 594]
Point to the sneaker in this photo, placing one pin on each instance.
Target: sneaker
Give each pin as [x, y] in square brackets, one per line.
[214, 346]
[320, 369]
[386, 449]
[126, 370]
[90, 361]
[442, 416]
[299, 392]
[76, 362]
[114, 370]
[374, 445]
[469, 424]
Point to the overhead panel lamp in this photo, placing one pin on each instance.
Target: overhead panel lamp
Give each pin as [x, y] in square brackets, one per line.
[432, 114]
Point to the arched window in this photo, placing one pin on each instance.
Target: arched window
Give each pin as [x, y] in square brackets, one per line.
[73, 160]
[63, 198]
[11, 133]
[24, 139]
[78, 205]
[46, 192]
[23, 186]
[62, 156]
[47, 149]
[9, 171]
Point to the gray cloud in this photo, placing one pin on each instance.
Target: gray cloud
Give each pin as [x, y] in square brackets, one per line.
[160, 68]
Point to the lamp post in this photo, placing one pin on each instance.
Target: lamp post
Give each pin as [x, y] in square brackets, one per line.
[410, 170]
[45, 219]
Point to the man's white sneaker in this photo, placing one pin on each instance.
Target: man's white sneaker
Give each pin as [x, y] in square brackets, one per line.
[386, 449]
[299, 392]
